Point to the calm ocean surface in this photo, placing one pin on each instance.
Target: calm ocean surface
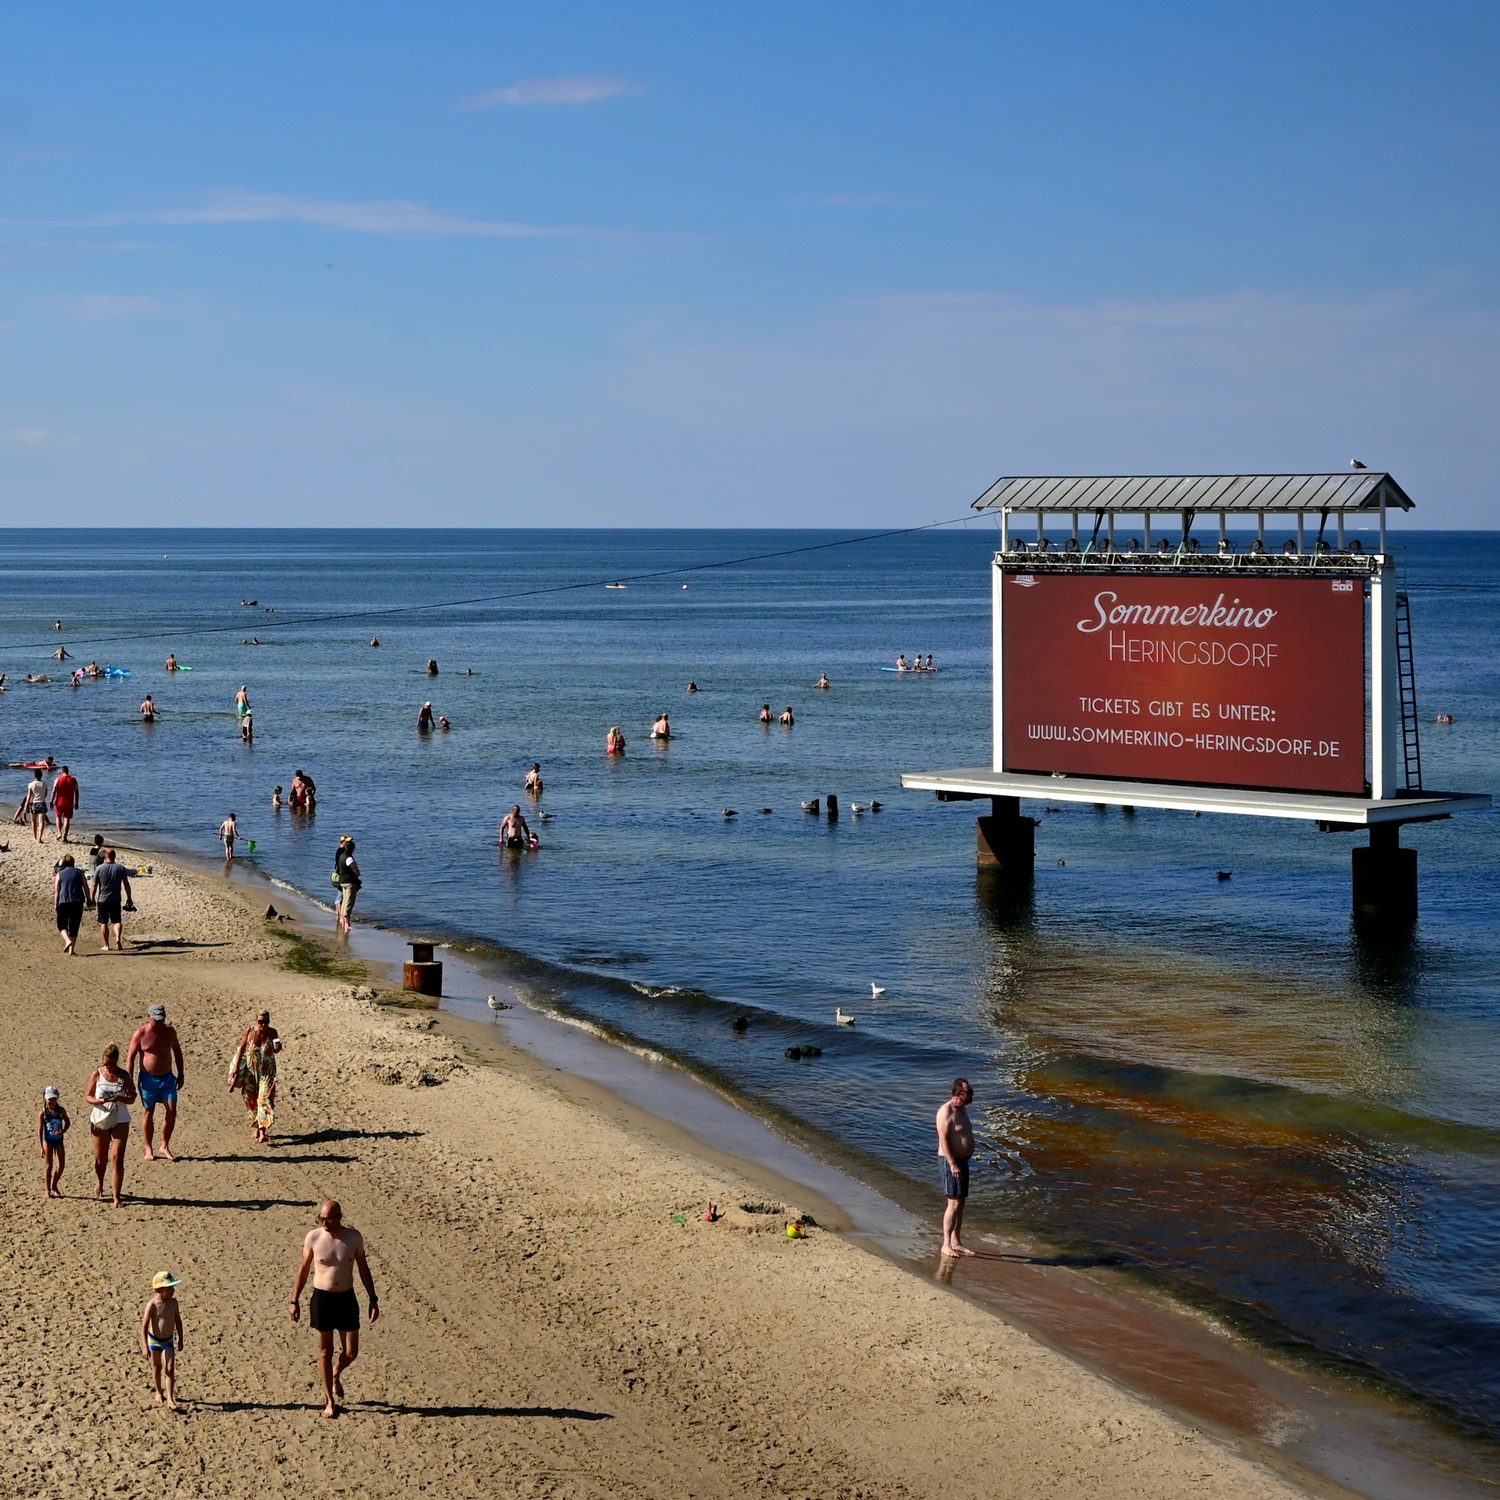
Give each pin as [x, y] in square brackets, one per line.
[1214, 1080]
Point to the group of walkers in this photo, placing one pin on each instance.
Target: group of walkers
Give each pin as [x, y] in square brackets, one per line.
[106, 887]
[62, 797]
[153, 1074]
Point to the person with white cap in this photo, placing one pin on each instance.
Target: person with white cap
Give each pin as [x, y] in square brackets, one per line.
[160, 1052]
[51, 1125]
[161, 1329]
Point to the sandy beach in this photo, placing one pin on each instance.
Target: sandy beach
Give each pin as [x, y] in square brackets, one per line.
[557, 1318]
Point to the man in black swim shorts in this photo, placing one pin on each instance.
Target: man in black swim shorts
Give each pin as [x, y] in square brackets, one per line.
[109, 880]
[332, 1252]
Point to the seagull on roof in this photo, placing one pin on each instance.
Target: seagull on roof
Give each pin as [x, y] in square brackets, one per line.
[1354, 463]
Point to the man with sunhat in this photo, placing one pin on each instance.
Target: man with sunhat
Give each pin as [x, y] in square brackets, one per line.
[160, 1052]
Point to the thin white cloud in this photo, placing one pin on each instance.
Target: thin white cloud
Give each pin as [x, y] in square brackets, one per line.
[389, 216]
[101, 307]
[552, 91]
[25, 437]
[858, 200]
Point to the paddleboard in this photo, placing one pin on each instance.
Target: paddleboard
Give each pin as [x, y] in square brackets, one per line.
[910, 671]
[117, 671]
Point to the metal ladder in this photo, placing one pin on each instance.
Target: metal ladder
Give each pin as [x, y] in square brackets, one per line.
[1406, 675]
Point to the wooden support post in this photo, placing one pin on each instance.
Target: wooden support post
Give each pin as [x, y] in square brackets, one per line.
[1006, 840]
[1385, 877]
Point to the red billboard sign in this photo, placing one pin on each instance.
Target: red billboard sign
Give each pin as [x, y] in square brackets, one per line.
[1243, 682]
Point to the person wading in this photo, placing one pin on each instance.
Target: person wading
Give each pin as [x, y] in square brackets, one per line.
[160, 1052]
[955, 1136]
[332, 1252]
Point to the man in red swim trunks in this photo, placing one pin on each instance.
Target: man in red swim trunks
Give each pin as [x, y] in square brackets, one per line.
[64, 801]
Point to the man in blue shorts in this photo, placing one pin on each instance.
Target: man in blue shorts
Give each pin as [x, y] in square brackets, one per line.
[160, 1077]
[955, 1137]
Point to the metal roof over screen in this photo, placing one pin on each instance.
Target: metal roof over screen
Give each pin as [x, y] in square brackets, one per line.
[1361, 490]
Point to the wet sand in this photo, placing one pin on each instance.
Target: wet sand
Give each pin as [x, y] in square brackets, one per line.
[557, 1318]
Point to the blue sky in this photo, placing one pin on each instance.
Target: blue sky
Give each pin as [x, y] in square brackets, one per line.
[714, 265]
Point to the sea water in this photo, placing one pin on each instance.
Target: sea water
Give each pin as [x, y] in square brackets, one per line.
[1220, 1083]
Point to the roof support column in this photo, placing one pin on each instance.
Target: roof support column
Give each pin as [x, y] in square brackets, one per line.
[1300, 548]
[1110, 516]
[1386, 771]
[1004, 529]
[1146, 521]
[1382, 528]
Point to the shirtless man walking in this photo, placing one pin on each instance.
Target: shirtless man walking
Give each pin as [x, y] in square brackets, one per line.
[332, 1252]
[160, 1053]
[955, 1136]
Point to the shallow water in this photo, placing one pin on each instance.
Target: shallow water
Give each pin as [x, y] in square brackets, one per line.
[1219, 1082]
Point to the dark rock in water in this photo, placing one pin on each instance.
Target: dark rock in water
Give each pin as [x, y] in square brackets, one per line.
[794, 1053]
[271, 913]
[1225, 874]
[740, 1023]
[797, 1053]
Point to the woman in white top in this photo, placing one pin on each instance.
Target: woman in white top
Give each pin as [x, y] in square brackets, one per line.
[34, 806]
[111, 1089]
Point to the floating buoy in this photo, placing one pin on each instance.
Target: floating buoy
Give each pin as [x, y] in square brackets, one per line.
[740, 1023]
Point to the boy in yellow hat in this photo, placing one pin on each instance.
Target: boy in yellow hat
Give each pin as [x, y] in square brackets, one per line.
[161, 1323]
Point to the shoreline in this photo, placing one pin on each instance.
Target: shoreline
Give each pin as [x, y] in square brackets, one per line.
[1315, 1430]
[558, 1317]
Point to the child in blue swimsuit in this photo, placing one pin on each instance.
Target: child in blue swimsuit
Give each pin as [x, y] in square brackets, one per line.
[161, 1328]
[51, 1125]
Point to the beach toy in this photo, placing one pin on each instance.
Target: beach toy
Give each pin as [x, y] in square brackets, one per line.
[794, 1231]
[713, 1215]
[678, 1219]
[249, 846]
[117, 671]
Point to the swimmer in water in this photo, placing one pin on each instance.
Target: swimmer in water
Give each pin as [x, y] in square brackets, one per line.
[148, 710]
[443, 724]
[374, 640]
[514, 834]
[765, 713]
[929, 667]
[303, 794]
[534, 779]
[424, 719]
[61, 654]
[242, 702]
[823, 682]
[276, 797]
[37, 677]
[692, 687]
[614, 741]
[662, 729]
[432, 670]
[901, 662]
[786, 718]
[171, 661]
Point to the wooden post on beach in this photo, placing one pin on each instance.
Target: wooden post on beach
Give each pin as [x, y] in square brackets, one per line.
[1006, 840]
[422, 974]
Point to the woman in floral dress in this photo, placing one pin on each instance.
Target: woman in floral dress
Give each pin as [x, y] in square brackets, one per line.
[253, 1073]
